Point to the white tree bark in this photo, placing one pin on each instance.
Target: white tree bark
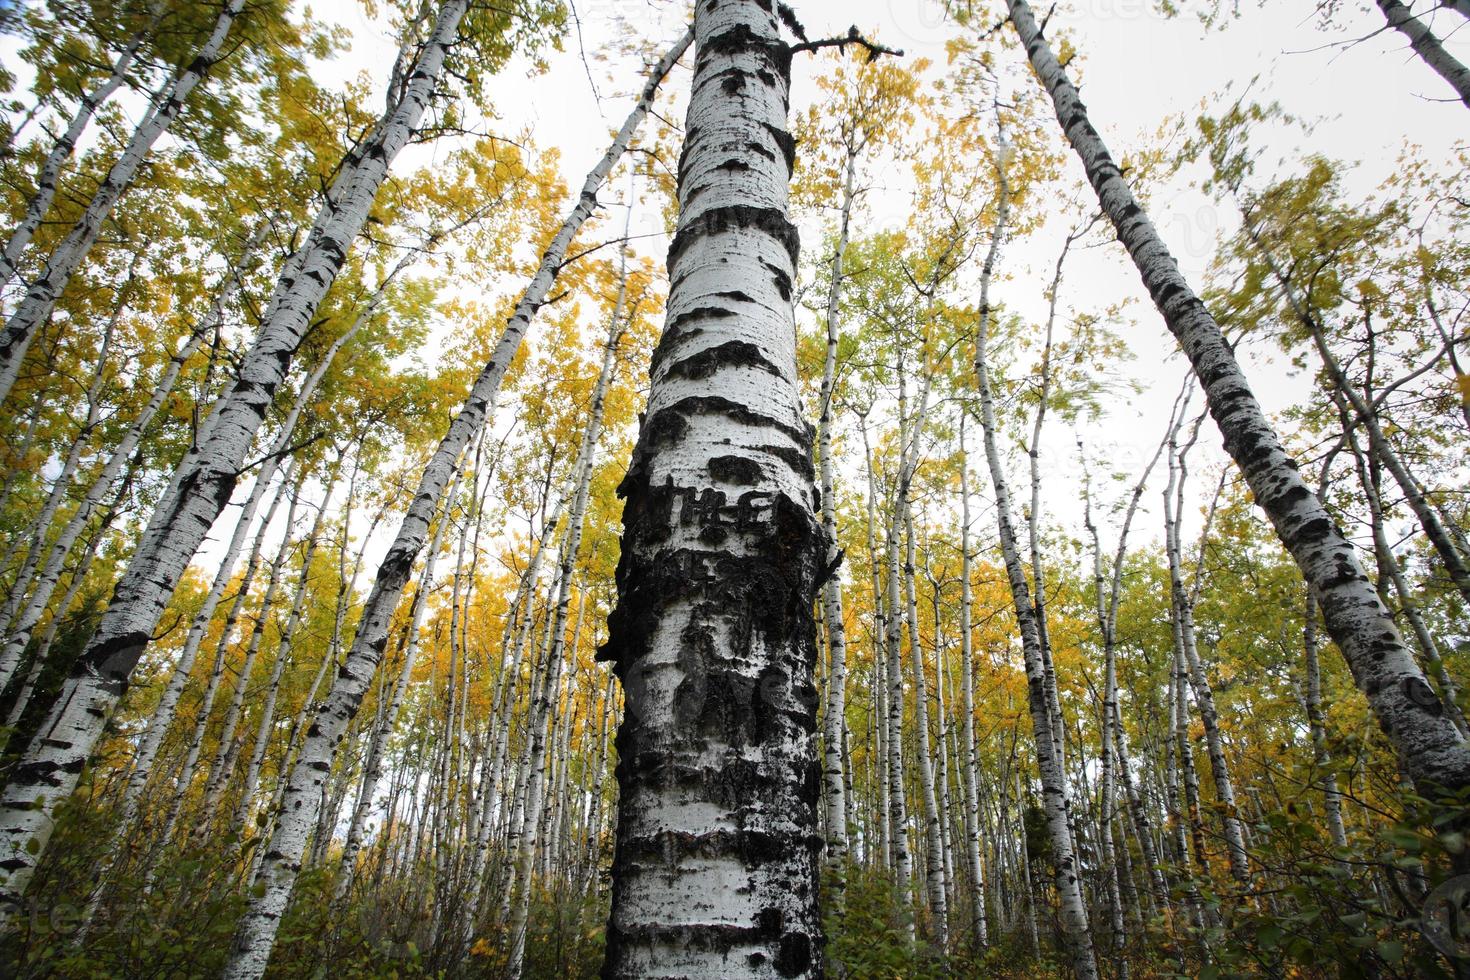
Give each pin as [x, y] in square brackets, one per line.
[935, 870]
[1428, 744]
[16, 643]
[1199, 683]
[188, 770]
[25, 623]
[226, 749]
[523, 841]
[1115, 759]
[265, 724]
[967, 704]
[41, 295]
[1055, 798]
[718, 846]
[836, 709]
[372, 766]
[301, 802]
[204, 482]
[61, 151]
[1428, 47]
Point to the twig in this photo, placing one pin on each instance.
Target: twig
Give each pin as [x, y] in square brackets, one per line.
[852, 37]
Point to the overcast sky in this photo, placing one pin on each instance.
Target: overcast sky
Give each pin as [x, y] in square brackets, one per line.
[1366, 99]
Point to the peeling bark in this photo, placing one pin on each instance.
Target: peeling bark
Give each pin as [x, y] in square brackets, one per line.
[713, 639]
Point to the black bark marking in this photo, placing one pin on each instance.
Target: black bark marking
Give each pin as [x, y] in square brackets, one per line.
[738, 470]
[732, 353]
[772, 221]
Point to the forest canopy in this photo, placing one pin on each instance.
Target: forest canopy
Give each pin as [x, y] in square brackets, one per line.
[734, 489]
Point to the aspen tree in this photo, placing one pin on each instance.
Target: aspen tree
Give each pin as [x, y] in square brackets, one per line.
[1427, 46]
[713, 638]
[1430, 747]
[523, 842]
[206, 478]
[31, 313]
[1056, 804]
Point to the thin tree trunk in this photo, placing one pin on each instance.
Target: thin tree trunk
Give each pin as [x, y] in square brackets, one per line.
[222, 765]
[888, 843]
[187, 773]
[300, 805]
[63, 148]
[836, 707]
[372, 767]
[202, 487]
[42, 293]
[523, 845]
[20, 634]
[934, 871]
[1428, 744]
[1389, 570]
[1428, 47]
[1331, 795]
[1055, 803]
[1204, 695]
[967, 703]
[21, 627]
[266, 722]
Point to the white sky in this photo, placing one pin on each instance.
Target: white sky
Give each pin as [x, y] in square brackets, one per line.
[1367, 101]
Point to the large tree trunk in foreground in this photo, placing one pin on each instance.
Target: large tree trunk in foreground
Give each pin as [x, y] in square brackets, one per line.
[718, 843]
[1431, 749]
[204, 481]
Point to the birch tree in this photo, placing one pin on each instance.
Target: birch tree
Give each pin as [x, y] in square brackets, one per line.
[206, 477]
[713, 637]
[1408, 711]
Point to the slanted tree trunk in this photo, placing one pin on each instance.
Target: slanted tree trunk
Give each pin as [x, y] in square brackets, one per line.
[372, 766]
[15, 602]
[266, 722]
[1056, 804]
[1317, 722]
[35, 308]
[713, 639]
[30, 615]
[1364, 411]
[1428, 47]
[204, 482]
[188, 770]
[301, 803]
[1370, 477]
[1431, 749]
[226, 749]
[65, 145]
[1115, 759]
[522, 843]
